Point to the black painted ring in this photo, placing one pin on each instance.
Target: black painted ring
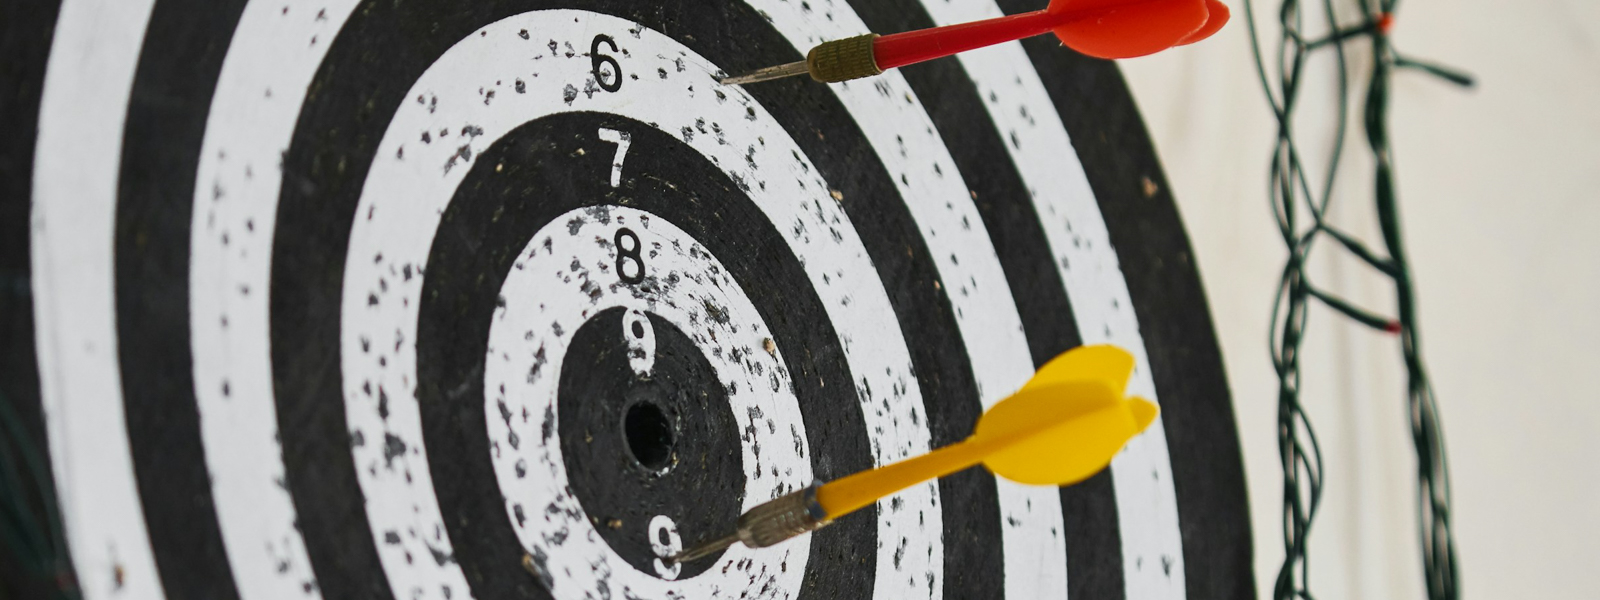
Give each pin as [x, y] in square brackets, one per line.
[493, 217]
[177, 73]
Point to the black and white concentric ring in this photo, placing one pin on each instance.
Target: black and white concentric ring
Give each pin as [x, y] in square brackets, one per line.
[400, 205]
[536, 304]
[155, 427]
[566, 160]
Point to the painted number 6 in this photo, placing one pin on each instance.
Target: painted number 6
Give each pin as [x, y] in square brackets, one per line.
[596, 59]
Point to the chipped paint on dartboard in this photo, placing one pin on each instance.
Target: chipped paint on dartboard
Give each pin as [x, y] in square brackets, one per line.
[524, 359]
[1038, 144]
[642, 344]
[237, 183]
[665, 542]
[408, 187]
[906, 142]
[257, 101]
[82, 112]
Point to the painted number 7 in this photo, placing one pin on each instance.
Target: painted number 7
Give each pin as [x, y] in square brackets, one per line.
[621, 139]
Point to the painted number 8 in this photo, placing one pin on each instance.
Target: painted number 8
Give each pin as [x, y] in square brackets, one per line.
[628, 257]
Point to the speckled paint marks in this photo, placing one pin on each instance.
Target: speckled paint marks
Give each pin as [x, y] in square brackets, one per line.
[391, 244]
[545, 295]
[1038, 145]
[491, 221]
[665, 541]
[903, 136]
[252, 114]
[454, 118]
[75, 193]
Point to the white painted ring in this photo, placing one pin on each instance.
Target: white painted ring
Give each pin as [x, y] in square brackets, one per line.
[406, 192]
[546, 302]
[93, 59]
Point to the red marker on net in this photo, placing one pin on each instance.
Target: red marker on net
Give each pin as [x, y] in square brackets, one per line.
[1099, 28]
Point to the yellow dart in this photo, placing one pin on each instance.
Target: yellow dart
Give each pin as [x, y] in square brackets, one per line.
[1063, 426]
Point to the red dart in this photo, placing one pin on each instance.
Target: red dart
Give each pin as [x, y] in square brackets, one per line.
[1099, 28]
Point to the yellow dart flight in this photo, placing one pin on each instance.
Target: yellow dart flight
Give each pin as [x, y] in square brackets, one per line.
[1064, 425]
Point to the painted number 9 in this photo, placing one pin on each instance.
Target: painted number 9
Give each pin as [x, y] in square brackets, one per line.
[596, 59]
[628, 257]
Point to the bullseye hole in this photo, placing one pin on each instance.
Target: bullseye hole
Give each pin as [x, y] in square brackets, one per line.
[649, 435]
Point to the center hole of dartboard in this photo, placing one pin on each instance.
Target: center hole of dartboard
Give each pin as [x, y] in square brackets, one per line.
[649, 435]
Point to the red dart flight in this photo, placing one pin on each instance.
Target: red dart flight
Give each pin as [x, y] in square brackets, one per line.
[1099, 28]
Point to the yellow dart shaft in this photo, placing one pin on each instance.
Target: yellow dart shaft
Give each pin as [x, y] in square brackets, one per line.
[848, 494]
[1065, 424]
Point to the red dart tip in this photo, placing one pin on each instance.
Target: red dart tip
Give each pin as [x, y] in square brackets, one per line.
[1385, 21]
[1392, 327]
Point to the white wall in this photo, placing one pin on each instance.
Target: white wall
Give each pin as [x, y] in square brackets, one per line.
[1498, 188]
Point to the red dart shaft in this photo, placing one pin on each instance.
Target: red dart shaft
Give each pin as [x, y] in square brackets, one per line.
[1109, 29]
[900, 49]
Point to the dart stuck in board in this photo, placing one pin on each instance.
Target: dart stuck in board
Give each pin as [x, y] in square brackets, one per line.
[1063, 426]
[350, 355]
[1100, 28]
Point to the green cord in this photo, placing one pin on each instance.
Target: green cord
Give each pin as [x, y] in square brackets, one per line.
[1290, 189]
[30, 524]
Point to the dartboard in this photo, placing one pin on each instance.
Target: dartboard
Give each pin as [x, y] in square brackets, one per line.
[431, 299]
